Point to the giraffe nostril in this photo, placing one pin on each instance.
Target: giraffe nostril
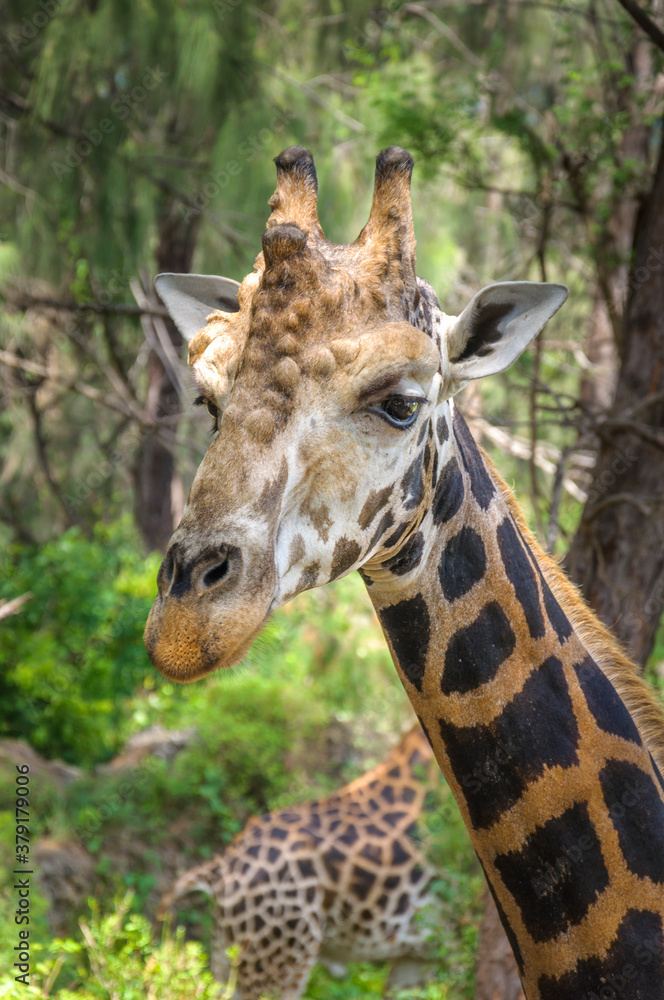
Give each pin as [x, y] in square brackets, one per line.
[216, 574]
[166, 570]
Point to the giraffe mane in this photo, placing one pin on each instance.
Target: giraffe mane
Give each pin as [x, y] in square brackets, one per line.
[602, 645]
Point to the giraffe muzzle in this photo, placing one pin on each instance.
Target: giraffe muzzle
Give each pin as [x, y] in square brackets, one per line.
[210, 607]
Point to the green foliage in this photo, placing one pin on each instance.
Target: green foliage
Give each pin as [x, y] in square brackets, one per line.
[75, 651]
[115, 957]
[361, 980]
[517, 116]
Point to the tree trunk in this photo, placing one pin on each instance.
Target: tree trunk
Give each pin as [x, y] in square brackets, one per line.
[157, 487]
[497, 976]
[617, 554]
[598, 384]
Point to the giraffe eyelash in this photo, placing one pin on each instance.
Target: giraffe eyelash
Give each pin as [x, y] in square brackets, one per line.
[202, 401]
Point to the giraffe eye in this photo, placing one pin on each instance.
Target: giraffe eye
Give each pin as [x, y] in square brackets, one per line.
[211, 408]
[400, 411]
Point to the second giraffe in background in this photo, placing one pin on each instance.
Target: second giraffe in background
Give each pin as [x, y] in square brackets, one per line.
[335, 880]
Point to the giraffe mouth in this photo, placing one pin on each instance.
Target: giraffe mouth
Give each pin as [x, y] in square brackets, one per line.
[180, 647]
[206, 616]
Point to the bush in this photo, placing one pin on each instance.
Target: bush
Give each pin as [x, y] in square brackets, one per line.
[75, 650]
[116, 959]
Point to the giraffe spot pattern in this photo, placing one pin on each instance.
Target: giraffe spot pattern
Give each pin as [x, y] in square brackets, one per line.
[386, 521]
[558, 873]
[555, 614]
[396, 535]
[332, 859]
[475, 652]
[462, 564]
[362, 882]
[372, 853]
[308, 577]
[427, 458]
[372, 505]
[346, 552]
[481, 483]
[449, 493]
[399, 854]
[403, 904]
[273, 490]
[522, 576]
[633, 967]
[434, 471]
[407, 626]
[495, 763]
[604, 701]
[412, 484]
[657, 771]
[557, 619]
[259, 878]
[636, 810]
[350, 836]
[442, 430]
[507, 927]
[408, 557]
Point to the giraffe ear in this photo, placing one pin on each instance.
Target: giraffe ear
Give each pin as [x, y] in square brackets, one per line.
[190, 298]
[497, 326]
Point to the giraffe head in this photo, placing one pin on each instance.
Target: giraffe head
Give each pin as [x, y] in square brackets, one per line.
[330, 387]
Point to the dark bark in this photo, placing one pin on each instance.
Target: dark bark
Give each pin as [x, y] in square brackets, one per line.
[155, 472]
[497, 975]
[617, 554]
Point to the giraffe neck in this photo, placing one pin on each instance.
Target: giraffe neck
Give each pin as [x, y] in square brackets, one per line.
[561, 797]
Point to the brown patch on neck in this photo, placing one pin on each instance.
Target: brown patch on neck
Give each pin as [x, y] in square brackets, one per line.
[595, 637]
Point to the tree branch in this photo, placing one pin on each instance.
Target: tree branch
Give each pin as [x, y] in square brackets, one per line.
[25, 301]
[643, 20]
[12, 607]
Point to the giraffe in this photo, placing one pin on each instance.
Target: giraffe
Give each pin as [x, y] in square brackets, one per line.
[336, 880]
[339, 447]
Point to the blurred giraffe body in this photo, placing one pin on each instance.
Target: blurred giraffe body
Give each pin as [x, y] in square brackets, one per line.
[334, 880]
